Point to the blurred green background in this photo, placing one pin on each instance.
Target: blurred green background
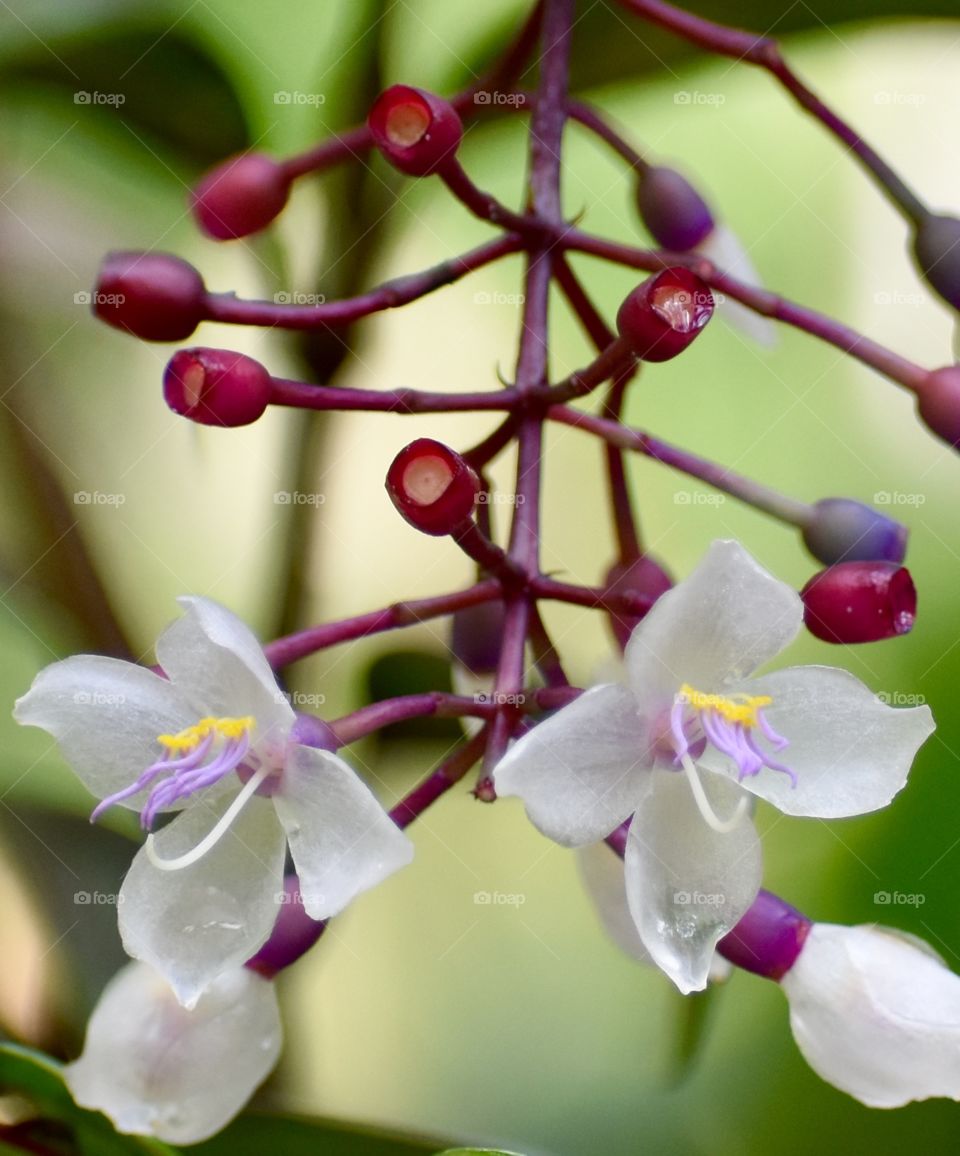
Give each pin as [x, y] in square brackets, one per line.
[422, 1009]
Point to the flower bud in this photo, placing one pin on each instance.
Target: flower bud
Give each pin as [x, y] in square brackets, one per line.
[843, 530]
[294, 933]
[240, 196]
[216, 386]
[768, 939]
[416, 131]
[643, 576]
[860, 602]
[936, 247]
[938, 403]
[675, 214]
[432, 486]
[155, 296]
[663, 315]
[476, 636]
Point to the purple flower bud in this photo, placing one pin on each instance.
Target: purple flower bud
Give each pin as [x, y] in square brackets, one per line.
[768, 939]
[674, 213]
[216, 386]
[476, 637]
[240, 196]
[643, 576]
[860, 602]
[938, 403]
[432, 486]
[936, 247]
[416, 131]
[663, 315]
[843, 530]
[294, 933]
[155, 296]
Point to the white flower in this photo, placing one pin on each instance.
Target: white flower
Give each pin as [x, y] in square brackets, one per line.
[217, 740]
[159, 1069]
[688, 743]
[876, 1014]
[723, 248]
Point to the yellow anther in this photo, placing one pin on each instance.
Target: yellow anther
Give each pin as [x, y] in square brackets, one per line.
[743, 711]
[224, 728]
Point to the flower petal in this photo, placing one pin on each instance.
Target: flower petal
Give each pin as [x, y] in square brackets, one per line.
[851, 752]
[195, 923]
[157, 1069]
[875, 1015]
[724, 249]
[342, 841]
[582, 771]
[106, 715]
[603, 877]
[216, 661]
[719, 624]
[687, 884]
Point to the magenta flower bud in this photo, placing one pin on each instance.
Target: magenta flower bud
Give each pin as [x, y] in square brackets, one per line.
[768, 939]
[155, 296]
[860, 602]
[216, 386]
[936, 247]
[938, 403]
[643, 576]
[294, 933]
[415, 130]
[240, 196]
[662, 316]
[675, 214]
[843, 530]
[476, 636]
[432, 486]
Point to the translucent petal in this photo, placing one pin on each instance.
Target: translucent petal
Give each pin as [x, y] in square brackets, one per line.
[875, 1015]
[196, 923]
[603, 877]
[341, 839]
[106, 715]
[687, 884]
[217, 663]
[716, 626]
[582, 771]
[725, 250]
[850, 751]
[157, 1069]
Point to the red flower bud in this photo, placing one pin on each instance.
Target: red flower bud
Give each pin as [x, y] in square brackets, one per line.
[938, 403]
[155, 296]
[240, 196]
[432, 486]
[216, 386]
[860, 602]
[415, 130]
[644, 577]
[662, 316]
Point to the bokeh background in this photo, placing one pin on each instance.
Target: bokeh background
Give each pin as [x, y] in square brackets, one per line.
[422, 1009]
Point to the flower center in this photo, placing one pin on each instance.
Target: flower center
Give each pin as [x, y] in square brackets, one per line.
[192, 760]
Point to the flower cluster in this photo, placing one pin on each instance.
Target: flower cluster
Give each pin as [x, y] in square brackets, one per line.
[666, 766]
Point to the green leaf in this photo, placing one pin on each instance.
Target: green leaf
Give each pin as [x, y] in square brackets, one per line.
[254, 1134]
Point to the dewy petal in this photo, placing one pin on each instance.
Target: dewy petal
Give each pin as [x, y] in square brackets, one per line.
[581, 772]
[341, 839]
[688, 885]
[106, 715]
[196, 923]
[157, 1069]
[875, 1015]
[716, 626]
[850, 751]
[724, 249]
[216, 661]
[603, 877]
